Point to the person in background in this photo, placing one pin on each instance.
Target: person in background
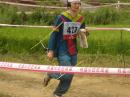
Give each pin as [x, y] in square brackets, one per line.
[63, 44]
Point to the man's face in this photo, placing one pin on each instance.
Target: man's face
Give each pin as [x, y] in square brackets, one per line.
[75, 6]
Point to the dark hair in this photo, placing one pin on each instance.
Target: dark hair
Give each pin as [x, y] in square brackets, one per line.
[68, 4]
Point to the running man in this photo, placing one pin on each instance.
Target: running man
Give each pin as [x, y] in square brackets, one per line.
[63, 44]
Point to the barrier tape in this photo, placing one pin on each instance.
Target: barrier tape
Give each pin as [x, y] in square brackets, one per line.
[57, 7]
[92, 7]
[66, 69]
[9, 25]
[30, 5]
[94, 28]
[89, 28]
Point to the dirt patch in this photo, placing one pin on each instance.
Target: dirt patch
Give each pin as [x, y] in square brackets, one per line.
[29, 84]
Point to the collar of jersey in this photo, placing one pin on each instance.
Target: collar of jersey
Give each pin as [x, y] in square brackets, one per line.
[68, 16]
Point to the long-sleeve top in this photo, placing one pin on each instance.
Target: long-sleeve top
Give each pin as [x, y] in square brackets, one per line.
[63, 38]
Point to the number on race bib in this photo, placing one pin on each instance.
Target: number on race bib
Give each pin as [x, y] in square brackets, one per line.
[72, 29]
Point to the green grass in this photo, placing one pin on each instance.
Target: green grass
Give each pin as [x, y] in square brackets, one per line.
[108, 42]
[21, 40]
[105, 47]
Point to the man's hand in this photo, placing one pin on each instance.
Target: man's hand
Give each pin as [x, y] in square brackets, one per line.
[50, 54]
[85, 31]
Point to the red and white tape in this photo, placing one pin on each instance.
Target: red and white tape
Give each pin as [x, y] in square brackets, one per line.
[66, 69]
[57, 7]
[89, 28]
[30, 5]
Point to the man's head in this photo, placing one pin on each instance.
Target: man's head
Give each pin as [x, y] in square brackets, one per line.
[73, 1]
[74, 5]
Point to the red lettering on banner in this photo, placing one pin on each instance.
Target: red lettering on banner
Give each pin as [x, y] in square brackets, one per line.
[48, 68]
[51, 68]
[82, 70]
[62, 69]
[123, 71]
[128, 71]
[66, 69]
[94, 70]
[26, 66]
[106, 70]
[102, 70]
[8, 65]
[98, 70]
[119, 70]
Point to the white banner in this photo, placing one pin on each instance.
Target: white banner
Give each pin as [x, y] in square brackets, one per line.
[89, 28]
[58, 7]
[66, 69]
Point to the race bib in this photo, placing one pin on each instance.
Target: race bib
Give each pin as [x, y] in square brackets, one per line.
[70, 30]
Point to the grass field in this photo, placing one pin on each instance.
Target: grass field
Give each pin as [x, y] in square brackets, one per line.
[20, 40]
[106, 48]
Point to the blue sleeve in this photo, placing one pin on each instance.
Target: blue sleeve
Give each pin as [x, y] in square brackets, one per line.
[82, 25]
[57, 20]
[52, 41]
[54, 35]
